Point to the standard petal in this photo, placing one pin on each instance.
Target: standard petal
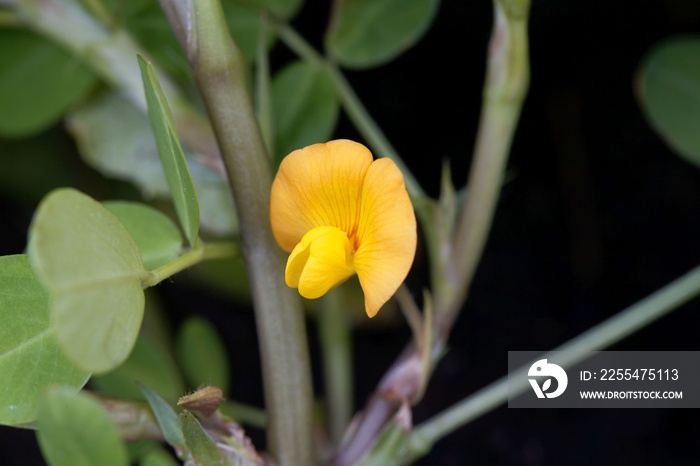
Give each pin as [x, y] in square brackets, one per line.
[321, 260]
[315, 186]
[386, 234]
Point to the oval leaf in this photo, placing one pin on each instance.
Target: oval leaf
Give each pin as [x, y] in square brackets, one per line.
[305, 107]
[74, 430]
[670, 94]
[27, 341]
[171, 155]
[366, 33]
[244, 23]
[114, 137]
[158, 457]
[38, 81]
[150, 28]
[279, 8]
[92, 270]
[147, 23]
[202, 354]
[155, 234]
[149, 363]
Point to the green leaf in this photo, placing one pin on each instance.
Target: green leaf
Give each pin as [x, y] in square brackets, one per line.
[115, 138]
[202, 354]
[201, 446]
[158, 457]
[155, 234]
[670, 93]
[27, 341]
[171, 155]
[74, 430]
[38, 82]
[167, 419]
[19, 159]
[147, 23]
[92, 270]
[244, 23]
[138, 449]
[284, 9]
[150, 27]
[367, 33]
[305, 107]
[390, 446]
[149, 363]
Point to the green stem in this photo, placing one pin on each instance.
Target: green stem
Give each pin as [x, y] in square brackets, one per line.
[572, 352]
[507, 81]
[244, 413]
[202, 252]
[457, 257]
[262, 87]
[218, 69]
[411, 312]
[370, 130]
[334, 335]
[353, 106]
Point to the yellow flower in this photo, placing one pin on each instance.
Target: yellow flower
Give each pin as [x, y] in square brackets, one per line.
[338, 212]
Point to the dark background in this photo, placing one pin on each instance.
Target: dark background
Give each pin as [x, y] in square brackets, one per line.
[598, 213]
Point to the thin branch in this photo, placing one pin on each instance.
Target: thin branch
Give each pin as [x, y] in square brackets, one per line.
[504, 91]
[353, 106]
[411, 311]
[607, 333]
[263, 99]
[507, 82]
[202, 252]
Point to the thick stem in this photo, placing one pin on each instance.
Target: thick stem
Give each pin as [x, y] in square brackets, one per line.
[218, 69]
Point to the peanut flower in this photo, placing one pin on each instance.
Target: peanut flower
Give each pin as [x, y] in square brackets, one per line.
[338, 212]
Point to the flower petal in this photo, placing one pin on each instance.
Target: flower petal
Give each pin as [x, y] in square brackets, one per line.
[386, 234]
[315, 186]
[321, 260]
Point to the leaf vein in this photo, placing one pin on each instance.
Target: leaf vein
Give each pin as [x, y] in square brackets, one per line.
[39, 336]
